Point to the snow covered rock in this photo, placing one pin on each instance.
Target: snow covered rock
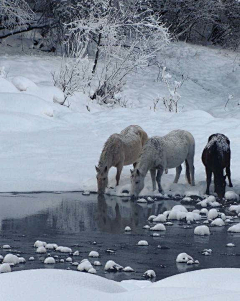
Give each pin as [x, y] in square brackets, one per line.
[218, 222]
[149, 274]
[146, 227]
[142, 243]
[69, 259]
[202, 230]
[112, 266]
[128, 269]
[31, 258]
[49, 260]
[142, 200]
[231, 196]
[64, 249]
[204, 211]
[6, 247]
[158, 227]
[235, 228]
[11, 259]
[23, 83]
[161, 218]
[92, 271]
[76, 253]
[84, 266]
[41, 250]
[212, 214]
[51, 246]
[230, 245]
[178, 212]
[151, 217]
[127, 229]
[93, 254]
[22, 260]
[183, 258]
[39, 243]
[97, 263]
[5, 268]
[209, 202]
[235, 208]
[192, 217]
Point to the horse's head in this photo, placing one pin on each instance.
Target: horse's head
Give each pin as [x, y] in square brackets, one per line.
[137, 183]
[220, 185]
[102, 178]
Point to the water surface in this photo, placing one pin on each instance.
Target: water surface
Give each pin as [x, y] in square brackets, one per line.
[87, 223]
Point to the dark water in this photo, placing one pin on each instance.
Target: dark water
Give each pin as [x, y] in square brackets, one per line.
[87, 223]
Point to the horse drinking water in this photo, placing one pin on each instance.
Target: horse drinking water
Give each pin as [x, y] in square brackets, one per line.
[216, 156]
[119, 150]
[161, 153]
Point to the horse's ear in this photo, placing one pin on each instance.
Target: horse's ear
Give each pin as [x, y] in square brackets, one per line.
[105, 169]
[138, 172]
[131, 170]
[97, 169]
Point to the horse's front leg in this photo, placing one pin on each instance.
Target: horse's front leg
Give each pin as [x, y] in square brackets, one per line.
[158, 179]
[119, 170]
[209, 179]
[178, 172]
[153, 176]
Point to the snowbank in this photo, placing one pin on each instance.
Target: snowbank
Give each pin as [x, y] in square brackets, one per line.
[207, 285]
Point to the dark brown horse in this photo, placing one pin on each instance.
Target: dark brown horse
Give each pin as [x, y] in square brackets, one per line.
[216, 157]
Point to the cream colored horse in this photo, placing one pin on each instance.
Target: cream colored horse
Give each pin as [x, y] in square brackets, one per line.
[119, 150]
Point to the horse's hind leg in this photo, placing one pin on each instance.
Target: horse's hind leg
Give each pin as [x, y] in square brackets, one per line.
[119, 170]
[190, 161]
[209, 179]
[178, 172]
[153, 176]
[158, 179]
[228, 172]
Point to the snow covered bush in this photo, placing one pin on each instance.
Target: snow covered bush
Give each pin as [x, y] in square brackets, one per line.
[73, 75]
[121, 37]
[171, 101]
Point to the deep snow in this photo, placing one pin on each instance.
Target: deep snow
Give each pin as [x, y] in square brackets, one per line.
[47, 147]
[38, 285]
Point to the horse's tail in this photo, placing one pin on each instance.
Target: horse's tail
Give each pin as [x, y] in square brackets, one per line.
[188, 172]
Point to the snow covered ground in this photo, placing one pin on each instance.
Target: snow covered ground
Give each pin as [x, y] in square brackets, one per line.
[206, 285]
[47, 147]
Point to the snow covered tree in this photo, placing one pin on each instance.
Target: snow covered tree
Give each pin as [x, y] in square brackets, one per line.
[122, 36]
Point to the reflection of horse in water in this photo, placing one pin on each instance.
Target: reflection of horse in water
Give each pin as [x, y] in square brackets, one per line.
[114, 215]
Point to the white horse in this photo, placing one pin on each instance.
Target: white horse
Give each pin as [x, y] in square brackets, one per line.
[162, 153]
[119, 150]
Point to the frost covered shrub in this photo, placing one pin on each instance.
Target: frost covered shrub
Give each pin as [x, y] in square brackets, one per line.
[120, 37]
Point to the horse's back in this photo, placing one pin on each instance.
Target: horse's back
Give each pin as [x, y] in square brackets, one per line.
[132, 138]
[135, 130]
[217, 152]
